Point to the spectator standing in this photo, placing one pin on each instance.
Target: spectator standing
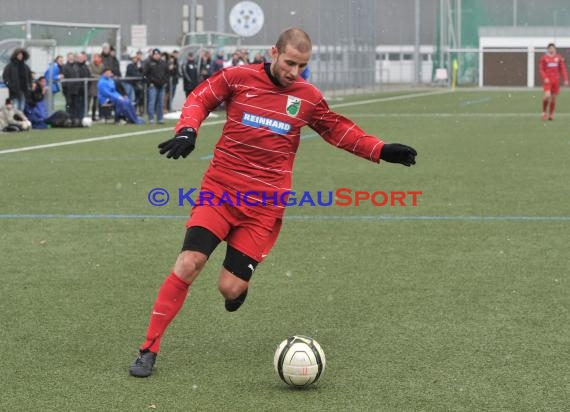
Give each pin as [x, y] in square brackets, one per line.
[236, 60]
[53, 74]
[205, 67]
[70, 85]
[96, 68]
[190, 74]
[109, 58]
[218, 63]
[135, 69]
[305, 74]
[156, 76]
[173, 77]
[18, 78]
[83, 92]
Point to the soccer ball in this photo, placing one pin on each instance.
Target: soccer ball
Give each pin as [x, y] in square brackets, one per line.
[86, 122]
[299, 361]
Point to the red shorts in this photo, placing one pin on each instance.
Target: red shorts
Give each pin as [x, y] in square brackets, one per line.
[552, 86]
[252, 233]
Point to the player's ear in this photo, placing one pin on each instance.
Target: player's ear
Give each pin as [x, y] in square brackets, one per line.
[274, 53]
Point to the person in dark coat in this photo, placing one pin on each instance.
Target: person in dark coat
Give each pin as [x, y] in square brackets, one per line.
[190, 74]
[156, 76]
[109, 58]
[173, 77]
[69, 88]
[135, 73]
[18, 78]
[83, 92]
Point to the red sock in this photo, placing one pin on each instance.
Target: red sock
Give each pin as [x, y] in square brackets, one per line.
[170, 299]
[552, 107]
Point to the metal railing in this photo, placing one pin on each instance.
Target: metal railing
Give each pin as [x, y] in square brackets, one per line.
[88, 81]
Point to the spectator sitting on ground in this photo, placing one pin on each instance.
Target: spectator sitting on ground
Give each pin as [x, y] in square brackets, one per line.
[36, 107]
[37, 110]
[13, 119]
[108, 93]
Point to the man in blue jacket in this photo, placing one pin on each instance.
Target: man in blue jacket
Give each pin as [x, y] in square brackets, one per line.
[107, 92]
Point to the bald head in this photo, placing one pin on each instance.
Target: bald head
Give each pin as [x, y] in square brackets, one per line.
[295, 38]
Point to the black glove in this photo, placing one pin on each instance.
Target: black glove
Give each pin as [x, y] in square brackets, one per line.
[398, 153]
[181, 144]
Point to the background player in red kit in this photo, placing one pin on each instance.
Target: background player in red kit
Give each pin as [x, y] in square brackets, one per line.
[552, 65]
[267, 105]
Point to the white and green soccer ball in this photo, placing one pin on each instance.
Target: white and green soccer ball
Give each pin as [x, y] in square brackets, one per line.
[299, 361]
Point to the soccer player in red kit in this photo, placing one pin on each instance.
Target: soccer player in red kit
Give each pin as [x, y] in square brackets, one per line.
[552, 65]
[267, 104]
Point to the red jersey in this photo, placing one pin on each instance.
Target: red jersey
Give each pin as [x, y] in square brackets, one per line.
[552, 66]
[257, 148]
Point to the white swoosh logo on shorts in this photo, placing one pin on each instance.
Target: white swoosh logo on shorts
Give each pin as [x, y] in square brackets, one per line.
[250, 95]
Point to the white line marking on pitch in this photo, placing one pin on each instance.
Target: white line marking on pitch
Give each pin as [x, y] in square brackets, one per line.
[94, 139]
[390, 99]
[164, 129]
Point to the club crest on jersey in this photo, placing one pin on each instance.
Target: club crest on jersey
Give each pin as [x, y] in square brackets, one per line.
[293, 106]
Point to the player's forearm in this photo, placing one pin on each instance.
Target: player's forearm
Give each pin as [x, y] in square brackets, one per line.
[352, 139]
[345, 134]
[193, 113]
[365, 146]
[203, 100]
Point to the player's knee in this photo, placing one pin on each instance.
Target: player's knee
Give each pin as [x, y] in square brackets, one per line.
[189, 264]
[232, 289]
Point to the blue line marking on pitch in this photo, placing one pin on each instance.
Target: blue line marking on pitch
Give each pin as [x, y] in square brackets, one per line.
[9, 216]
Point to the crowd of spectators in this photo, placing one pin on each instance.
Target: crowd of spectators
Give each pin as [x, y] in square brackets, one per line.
[148, 88]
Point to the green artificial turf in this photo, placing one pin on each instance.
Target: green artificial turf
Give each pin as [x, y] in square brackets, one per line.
[459, 303]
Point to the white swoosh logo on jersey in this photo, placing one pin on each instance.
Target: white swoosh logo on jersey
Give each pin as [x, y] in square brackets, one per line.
[250, 95]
